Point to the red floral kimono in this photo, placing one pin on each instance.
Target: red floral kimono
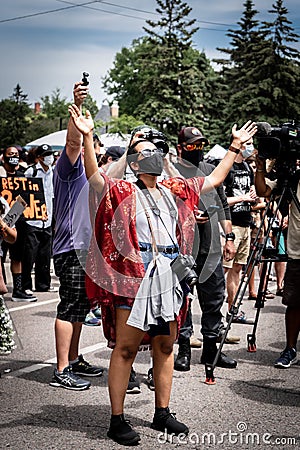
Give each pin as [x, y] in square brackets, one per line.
[114, 265]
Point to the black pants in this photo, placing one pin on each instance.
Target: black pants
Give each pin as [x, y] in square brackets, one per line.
[211, 297]
[37, 251]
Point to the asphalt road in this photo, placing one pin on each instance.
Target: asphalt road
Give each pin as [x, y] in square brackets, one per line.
[252, 406]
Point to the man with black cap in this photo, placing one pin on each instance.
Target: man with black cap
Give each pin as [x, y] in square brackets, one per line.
[211, 282]
[38, 240]
[113, 153]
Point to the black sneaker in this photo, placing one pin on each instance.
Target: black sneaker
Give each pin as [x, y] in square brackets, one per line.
[164, 420]
[69, 380]
[133, 384]
[121, 431]
[82, 367]
[150, 380]
[287, 358]
[20, 296]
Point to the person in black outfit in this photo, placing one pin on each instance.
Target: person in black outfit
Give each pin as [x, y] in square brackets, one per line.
[211, 282]
[10, 168]
[241, 196]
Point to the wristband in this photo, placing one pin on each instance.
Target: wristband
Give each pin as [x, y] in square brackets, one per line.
[230, 237]
[234, 150]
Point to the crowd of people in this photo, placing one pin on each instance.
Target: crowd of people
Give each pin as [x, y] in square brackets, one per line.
[138, 235]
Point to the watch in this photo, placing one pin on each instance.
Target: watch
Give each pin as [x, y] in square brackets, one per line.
[230, 237]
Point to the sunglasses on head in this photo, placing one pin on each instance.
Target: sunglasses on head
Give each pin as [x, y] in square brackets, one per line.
[198, 146]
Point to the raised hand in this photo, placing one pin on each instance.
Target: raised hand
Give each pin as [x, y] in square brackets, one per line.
[245, 133]
[83, 124]
[80, 92]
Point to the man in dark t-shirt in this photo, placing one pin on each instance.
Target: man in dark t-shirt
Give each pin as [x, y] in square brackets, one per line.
[241, 195]
[208, 252]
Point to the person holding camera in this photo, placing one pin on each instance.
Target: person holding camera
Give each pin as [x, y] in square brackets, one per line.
[134, 241]
[213, 208]
[291, 287]
[70, 245]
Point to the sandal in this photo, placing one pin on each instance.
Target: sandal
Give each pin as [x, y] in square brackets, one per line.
[279, 292]
[269, 295]
[252, 297]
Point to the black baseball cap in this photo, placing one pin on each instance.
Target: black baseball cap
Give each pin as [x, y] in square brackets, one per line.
[191, 135]
[43, 150]
[115, 151]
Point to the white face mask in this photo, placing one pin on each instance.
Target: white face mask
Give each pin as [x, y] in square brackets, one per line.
[48, 160]
[248, 151]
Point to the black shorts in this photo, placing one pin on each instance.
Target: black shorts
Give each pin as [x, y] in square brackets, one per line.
[291, 287]
[74, 304]
[16, 249]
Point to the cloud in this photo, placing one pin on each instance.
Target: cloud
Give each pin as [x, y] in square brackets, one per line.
[50, 51]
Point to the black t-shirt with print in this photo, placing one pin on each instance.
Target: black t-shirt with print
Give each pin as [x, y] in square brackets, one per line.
[238, 182]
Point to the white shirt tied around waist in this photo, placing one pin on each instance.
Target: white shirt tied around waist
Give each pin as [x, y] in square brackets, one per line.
[159, 296]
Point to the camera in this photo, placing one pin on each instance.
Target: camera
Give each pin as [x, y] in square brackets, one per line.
[278, 141]
[183, 266]
[85, 80]
[154, 136]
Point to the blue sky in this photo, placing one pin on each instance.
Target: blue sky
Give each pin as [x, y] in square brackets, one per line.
[48, 51]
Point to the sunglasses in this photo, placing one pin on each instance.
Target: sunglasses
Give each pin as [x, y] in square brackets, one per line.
[151, 151]
[191, 147]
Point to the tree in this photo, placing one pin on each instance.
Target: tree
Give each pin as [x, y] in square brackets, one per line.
[123, 124]
[123, 81]
[161, 79]
[284, 88]
[262, 74]
[55, 107]
[174, 68]
[90, 104]
[13, 118]
[238, 72]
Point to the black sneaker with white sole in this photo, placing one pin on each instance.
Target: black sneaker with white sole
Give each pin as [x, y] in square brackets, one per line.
[20, 296]
[287, 358]
[133, 384]
[82, 367]
[67, 379]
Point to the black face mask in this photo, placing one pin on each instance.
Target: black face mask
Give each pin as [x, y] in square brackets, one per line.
[193, 157]
[152, 165]
[11, 160]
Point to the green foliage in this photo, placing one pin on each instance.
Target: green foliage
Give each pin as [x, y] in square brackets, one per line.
[123, 124]
[55, 106]
[40, 125]
[262, 72]
[13, 118]
[161, 79]
[91, 105]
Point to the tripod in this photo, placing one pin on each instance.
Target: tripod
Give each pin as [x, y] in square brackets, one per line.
[259, 253]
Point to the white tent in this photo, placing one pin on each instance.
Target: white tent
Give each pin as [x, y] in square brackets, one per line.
[57, 140]
[109, 139]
